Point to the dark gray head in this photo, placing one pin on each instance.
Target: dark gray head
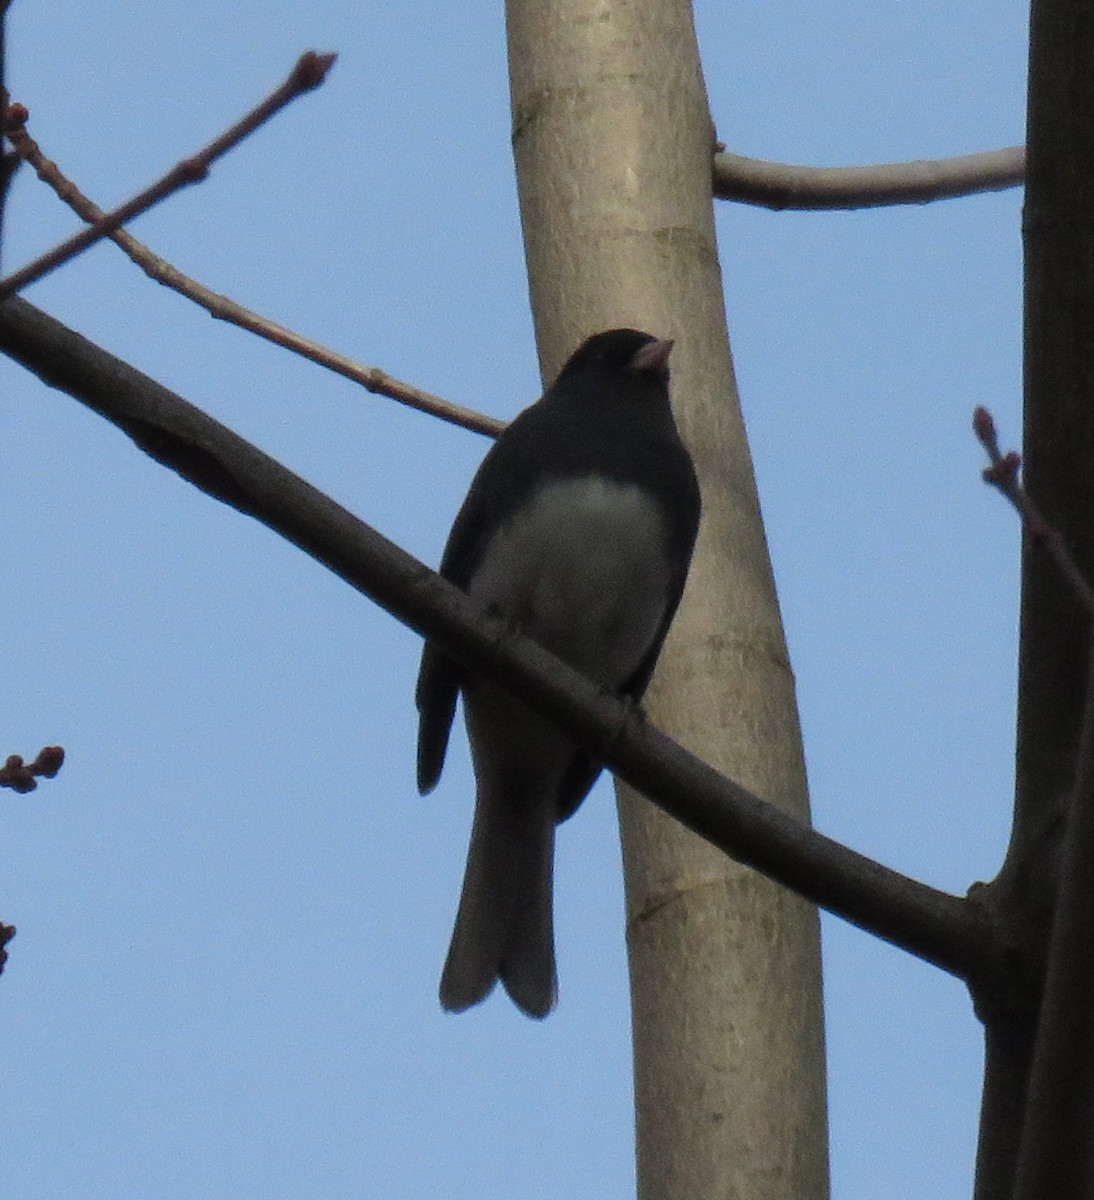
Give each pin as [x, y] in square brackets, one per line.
[619, 350]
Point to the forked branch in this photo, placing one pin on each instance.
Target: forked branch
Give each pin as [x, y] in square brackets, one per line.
[310, 71]
[371, 378]
[1055, 1156]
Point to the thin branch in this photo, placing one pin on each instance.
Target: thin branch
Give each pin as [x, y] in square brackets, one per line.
[23, 777]
[1004, 475]
[8, 161]
[951, 932]
[782, 186]
[310, 71]
[371, 378]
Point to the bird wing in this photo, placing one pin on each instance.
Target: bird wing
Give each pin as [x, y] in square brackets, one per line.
[440, 677]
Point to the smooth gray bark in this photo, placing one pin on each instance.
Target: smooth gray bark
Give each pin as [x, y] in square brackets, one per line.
[613, 144]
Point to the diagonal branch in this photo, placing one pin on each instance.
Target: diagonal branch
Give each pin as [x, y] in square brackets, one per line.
[217, 305]
[310, 71]
[782, 186]
[951, 932]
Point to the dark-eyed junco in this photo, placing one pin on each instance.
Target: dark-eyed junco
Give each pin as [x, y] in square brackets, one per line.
[579, 528]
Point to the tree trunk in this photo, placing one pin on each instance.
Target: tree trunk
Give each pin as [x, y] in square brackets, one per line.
[613, 144]
[1045, 876]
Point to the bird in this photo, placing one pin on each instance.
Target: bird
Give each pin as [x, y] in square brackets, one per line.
[578, 528]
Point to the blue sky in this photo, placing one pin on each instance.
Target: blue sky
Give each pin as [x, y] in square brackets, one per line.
[232, 904]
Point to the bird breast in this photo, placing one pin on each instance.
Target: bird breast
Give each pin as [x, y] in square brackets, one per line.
[582, 568]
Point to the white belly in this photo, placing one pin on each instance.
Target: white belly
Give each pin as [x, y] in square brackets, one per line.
[582, 570]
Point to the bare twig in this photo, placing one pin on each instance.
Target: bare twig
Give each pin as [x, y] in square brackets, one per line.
[8, 164]
[946, 930]
[8, 161]
[1004, 475]
[309, 72]
[371, 378]
[21, 776]
[782, 186]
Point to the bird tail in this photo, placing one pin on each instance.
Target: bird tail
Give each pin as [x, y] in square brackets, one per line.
[504, 926]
